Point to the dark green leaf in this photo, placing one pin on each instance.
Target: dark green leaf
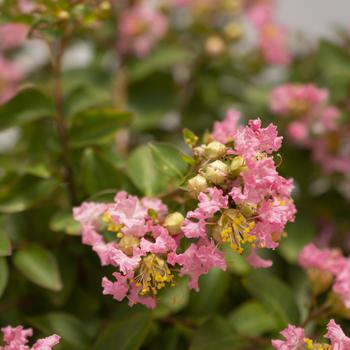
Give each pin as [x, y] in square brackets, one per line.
[28, 105]
[39, 266]
[22, 193]
[252, 318]
[5, 244]
[275, 295]
[156, 168]
[3, 275]
[95, 126]
[72, 330]
[126, 334]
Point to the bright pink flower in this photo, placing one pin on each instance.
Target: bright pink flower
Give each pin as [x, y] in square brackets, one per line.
[197, 260]
[16, 338]
[140, 28]
[12, 35]
[212, 201]
[224, 131]
[294, 339]
[118, 289]
[329, 260]
[335, 334]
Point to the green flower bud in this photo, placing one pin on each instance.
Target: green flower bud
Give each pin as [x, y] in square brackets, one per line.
[216, 172]
[173, 222]
[198, 184]
[237, 165]
[127, 244]
[215, 149]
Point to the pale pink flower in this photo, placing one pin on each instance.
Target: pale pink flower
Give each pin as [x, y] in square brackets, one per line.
[335, 334]
[197, 260]
[211, 202]
[294, 339]
[46, 343]
[12, 35]
[224, 131]
[140, 28]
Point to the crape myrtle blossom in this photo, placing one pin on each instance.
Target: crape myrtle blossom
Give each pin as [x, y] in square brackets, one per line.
[240, 201]
[272, 36]
[16, 338]
[294, 339]
[140, 27]
[329, 261]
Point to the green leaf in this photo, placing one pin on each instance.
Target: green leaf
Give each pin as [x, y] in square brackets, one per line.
[213, 288]
[96, 126]
[216, 334]
[39, 266]
[275, 295]
[100, 172]
[190, 137]
[22, 193]
[252, 318]
[300, 233]
[156, 168]
[173, 299]
[236, 263]
[126, 334]
[3, 275]
[5, 244]
[162, 58]
[22, 166]
[64, 222]
[28, 105]
[71, 329]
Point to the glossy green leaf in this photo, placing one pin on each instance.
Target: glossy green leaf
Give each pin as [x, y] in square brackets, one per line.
[73, 332]
[213, 289]
[3, 275]
[39, 266]
[126, 334]
[216, 334]
[5, 244]
[173, 299]
[156, 168]
[299, 233]
[252, 318]
[162, 58]
[28, 105]
[275, 295]
[95, 126]
[100, 172]
[22, 193]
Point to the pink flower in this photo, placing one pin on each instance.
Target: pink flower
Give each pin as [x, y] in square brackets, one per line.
[12, 35]
[118, 289]
[272, 36]
[294, 339]
[335, 334]
[224, 131]
[16, 338]
[257, 262]
[298, 131]
[212, 202]
[342, 283]
[329, 260]
[197, 260]
[140, 28]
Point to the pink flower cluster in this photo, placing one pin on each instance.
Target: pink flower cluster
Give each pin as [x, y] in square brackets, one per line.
[138, 249]
[329, 261]
[140, 27]
[16, 338]
[241, 201]
[314, 124]
[273, 37]
[295, 339]
[12, 35]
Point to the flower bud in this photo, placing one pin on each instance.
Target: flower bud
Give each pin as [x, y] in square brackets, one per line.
[215, 149]
[320, 281]
[199, 151]
[128, 243]
[63, 15]
[197, 184]
[173, 222]
[214, 45]
[216, 172]
[237, 165]
[233, 31]
[105, 6]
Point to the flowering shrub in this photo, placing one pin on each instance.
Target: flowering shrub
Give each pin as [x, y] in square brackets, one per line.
[131, 176]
